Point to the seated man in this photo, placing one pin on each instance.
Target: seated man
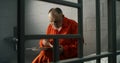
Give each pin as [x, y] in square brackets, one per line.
[59, 24]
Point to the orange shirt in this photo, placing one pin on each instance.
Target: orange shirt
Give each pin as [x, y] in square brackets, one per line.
[69, 45]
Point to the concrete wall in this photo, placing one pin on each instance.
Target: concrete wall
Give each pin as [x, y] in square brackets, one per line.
[89, 22]
[37, 15]
[118, 23]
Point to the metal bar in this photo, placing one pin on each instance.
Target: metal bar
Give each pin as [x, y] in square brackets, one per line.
[61, 2]
[80, 29]
[20, 32]
[56, 50]
[118, 53]
[98, 34]
[112, 30]
[76, 60]
[30, 37]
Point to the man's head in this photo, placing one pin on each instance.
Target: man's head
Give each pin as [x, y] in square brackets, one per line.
[56, 17]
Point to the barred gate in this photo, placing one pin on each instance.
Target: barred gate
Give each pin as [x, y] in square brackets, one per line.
[112, 53]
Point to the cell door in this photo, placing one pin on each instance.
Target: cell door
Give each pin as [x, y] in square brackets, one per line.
[22, 37]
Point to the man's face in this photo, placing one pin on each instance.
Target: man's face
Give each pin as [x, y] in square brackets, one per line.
[55, 19]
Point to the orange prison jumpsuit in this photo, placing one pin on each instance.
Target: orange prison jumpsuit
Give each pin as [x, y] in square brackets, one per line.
[69, 45]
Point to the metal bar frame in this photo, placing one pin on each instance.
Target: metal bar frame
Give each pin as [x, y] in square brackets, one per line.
[112, 30]
[98, 34]
[80, 30]
[65, 3]
[56, 50]
[20, 32]
[75, 60]
[29, 37]
[111, 34]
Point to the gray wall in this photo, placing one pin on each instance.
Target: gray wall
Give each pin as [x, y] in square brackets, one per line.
[90, 29]
[36, 14]
[118, 24]
[8, 19]
[89, 22]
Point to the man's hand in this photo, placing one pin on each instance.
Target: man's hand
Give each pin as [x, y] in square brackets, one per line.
[47, 43]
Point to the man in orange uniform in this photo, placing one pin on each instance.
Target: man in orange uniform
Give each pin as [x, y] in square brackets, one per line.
[59, 24]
